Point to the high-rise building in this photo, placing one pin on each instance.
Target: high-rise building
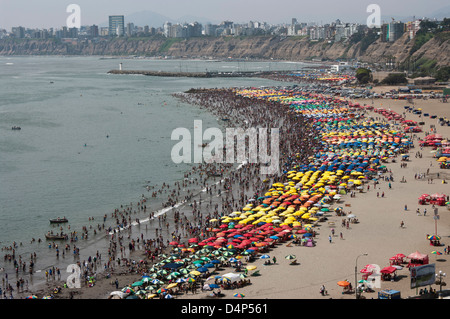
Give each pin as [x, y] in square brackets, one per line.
[93, 31]
[395, 30]
[116, 26]
[19, 32]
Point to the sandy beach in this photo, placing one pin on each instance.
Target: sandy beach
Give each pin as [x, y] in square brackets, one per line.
[378, 233]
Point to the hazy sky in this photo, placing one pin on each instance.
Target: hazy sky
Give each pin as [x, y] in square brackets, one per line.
[52, 13]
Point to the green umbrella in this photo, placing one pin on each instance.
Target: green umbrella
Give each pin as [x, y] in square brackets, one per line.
[290, 257]
[184, 271]
[170, 277]
[162, 272]
[228, 253]
[137, 283]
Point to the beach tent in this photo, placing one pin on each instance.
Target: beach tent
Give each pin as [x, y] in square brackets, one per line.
[417, 259]
[232, 276]
[388, 270]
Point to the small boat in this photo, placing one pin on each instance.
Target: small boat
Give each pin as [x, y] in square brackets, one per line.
[55, 237]
[16, 128]
[58, 220]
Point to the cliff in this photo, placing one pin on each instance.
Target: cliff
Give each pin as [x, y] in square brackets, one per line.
[258, 47]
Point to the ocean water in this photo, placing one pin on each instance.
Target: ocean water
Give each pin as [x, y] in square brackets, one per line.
[91, 141]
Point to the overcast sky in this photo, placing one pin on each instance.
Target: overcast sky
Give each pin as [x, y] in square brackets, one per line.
[52, 13]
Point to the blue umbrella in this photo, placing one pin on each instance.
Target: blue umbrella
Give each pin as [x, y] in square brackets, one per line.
[209, 265]
[264, 256]
[202, 269]
[214, 286]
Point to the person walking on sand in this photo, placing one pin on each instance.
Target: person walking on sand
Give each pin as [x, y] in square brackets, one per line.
[329, 239]
[402, 224]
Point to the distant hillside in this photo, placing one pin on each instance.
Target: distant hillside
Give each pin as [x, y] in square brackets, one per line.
[261, 47]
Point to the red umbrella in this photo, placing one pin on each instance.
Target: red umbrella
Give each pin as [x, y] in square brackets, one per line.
[366, 271]
[173, 243]
[193, 240]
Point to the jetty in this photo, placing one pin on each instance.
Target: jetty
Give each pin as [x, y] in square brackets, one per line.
[195, 74]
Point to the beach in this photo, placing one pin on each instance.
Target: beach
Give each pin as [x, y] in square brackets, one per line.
[378, 232]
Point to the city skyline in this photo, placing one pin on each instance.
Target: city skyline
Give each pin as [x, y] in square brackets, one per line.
[51, 14]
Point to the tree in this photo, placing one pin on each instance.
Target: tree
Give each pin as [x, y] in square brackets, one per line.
[443, 74]
[363, 75]
[395, 78]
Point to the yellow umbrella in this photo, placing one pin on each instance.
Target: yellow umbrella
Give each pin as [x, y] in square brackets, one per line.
[174, 284]
[195, 273]
[251, 267]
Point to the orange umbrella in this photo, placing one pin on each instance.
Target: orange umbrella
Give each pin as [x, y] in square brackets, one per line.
[344, 283]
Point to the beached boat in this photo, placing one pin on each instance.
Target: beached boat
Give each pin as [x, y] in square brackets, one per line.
[58, 220]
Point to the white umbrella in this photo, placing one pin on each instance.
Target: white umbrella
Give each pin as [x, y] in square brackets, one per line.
[351, 216]
[120, 294]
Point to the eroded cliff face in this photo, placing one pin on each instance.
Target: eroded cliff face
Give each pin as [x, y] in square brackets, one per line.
[277, 48]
